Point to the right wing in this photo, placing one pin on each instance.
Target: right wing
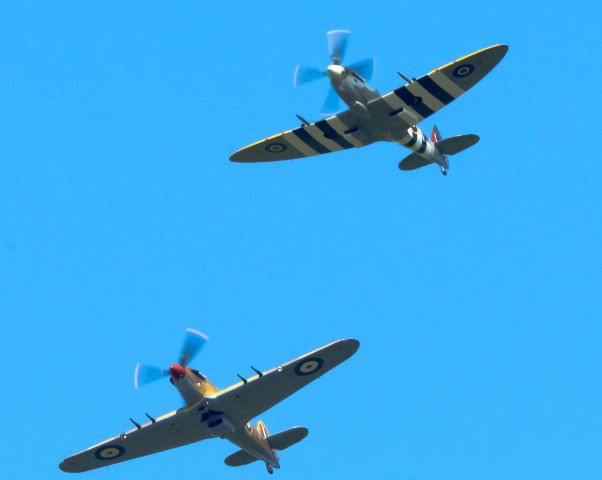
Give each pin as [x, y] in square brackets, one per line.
[334, 133]
[174, 429]
[244, 401]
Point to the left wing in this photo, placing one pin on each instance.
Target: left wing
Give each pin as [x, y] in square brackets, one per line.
[419, 99]
[244, 401]
[338, 132]
[174, 429]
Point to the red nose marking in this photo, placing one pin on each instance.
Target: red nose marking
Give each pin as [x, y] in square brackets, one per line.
[177, 371]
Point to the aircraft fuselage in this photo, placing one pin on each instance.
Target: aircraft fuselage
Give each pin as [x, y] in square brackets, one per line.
[194, 387]
[358, 95]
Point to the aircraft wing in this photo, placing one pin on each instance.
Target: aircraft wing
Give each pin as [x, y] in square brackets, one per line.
[244, 401]
[174, 429]
[421, 98]
[334, 133]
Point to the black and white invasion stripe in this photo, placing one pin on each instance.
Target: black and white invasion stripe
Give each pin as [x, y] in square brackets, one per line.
[324, 136]
[419, 99]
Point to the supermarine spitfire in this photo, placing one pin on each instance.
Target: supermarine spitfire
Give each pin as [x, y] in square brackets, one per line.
[374, 117]
[213, 413]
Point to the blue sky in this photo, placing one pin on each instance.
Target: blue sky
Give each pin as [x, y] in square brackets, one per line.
[476, 297]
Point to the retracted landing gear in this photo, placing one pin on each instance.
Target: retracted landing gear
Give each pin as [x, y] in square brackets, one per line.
[269, 468]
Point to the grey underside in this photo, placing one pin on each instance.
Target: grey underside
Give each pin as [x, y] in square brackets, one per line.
[447, 146]
[279, 441]
[414, 161]
[283, 440]
[378, 118]
[453, 145]
[239, 458]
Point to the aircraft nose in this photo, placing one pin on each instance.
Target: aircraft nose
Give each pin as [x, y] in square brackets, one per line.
[177, 371]
[335, 72]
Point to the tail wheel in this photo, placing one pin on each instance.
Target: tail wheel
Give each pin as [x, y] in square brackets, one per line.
[269, 469]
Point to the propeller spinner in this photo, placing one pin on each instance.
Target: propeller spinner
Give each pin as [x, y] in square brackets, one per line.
[194, 341]
[337, 47]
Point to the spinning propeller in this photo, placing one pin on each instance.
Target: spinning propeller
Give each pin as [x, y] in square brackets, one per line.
[337, 46]
[193, 344]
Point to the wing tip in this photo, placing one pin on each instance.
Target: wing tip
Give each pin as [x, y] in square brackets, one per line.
[500, 50]
[350, 344]
[67, 467]
[235, 157]
[242, 155]
[496, 52]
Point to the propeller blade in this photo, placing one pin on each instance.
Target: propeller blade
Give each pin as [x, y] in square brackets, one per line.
[337, 45]
[364, 67]
[304, 75]
[331, 104]
[145, 374]
[193, 343]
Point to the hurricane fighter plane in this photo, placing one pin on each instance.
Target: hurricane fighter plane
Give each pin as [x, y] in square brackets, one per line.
[210, 412]
[374, 117]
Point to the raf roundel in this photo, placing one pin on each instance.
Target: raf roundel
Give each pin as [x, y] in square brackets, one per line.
[311, 365]
[275, 147]
[463, 70]
[109, 452]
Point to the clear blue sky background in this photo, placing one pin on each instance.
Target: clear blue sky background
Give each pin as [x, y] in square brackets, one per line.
[476, 297]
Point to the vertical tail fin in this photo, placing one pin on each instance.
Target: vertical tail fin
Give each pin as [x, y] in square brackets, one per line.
[435, 135]
[263, 429]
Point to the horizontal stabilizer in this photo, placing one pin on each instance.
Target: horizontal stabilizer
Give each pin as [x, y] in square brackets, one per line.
[289, 437]
[280, 441]
[413, 161]
[453, 145]
[237, 459]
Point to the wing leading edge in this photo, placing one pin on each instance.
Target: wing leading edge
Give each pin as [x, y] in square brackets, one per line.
[172, 430]
[244, 401]
[421, 98]
[390, 115]
[332, 134]
[241, 402]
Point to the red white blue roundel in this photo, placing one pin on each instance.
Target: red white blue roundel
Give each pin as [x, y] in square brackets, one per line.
[109, 452]
[463, 70]
[311, 365]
